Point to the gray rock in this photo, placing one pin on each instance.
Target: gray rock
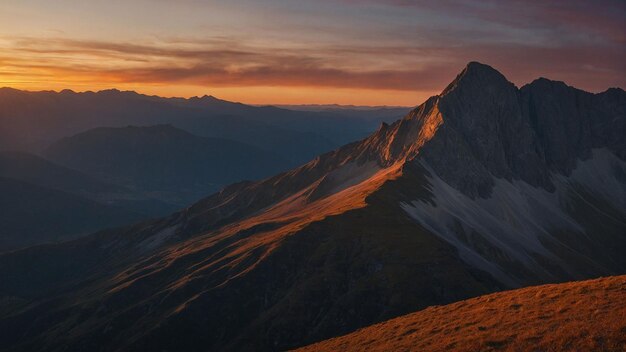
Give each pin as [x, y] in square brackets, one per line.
[490, 129]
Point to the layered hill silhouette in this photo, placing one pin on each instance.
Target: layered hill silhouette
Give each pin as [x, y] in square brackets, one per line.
[162, 161]
[581, 316]
[31, 121]
[44, 173]
[32, 215]
[45, 202]
[39, 171]
[129, 173]
[482, 188]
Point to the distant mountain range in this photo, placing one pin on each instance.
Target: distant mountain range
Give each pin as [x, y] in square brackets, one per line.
[45, 202]
[163, 161]
[31, 121]
[369, 111]
[131, 172]
[128, 144]
[482, 188]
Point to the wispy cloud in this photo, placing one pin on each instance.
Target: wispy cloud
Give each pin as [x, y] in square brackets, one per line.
[211, 64]
[217, 65]
[604, 18]
[374, 45]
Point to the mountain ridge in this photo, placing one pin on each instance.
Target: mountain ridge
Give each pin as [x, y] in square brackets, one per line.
[30, 121]
[369, 231]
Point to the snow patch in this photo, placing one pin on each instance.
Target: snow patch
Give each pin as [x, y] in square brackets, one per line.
[516, 215]
[598, 174]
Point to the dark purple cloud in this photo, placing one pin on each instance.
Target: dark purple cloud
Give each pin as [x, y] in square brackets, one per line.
[605, 18]
[407, 46]
[322, 66]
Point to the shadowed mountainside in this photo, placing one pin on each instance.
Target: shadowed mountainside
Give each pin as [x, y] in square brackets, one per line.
[38, 171]
[31, 121]
[45, 202]
[162, 161]
[33, 215]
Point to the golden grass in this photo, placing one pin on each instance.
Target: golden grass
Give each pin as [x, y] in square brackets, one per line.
[577, 316]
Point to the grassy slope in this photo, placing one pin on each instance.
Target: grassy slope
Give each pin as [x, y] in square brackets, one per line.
[582, 316]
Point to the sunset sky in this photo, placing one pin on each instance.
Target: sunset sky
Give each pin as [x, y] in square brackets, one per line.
[366, 52]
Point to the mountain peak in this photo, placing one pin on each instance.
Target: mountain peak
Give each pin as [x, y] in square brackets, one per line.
[476, 75]
[546, 82]
[476, 66]
[483, 127]
[204, 98]
[475, 69]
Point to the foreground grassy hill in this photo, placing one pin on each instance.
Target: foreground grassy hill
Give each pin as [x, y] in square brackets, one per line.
[577, 316]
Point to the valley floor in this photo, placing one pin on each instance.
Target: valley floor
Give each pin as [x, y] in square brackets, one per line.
[577, 316]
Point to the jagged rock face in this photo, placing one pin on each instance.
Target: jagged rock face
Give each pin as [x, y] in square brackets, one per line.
[488, 128]
[569, 122]
[484, 134]
[513, 170]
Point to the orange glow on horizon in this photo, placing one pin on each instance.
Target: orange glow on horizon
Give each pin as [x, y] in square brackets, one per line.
[258, 95]
[272, 52]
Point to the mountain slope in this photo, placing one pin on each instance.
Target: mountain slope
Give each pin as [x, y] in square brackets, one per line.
[33, 215]
[163, 161]
[462, 197]
[586, 316]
